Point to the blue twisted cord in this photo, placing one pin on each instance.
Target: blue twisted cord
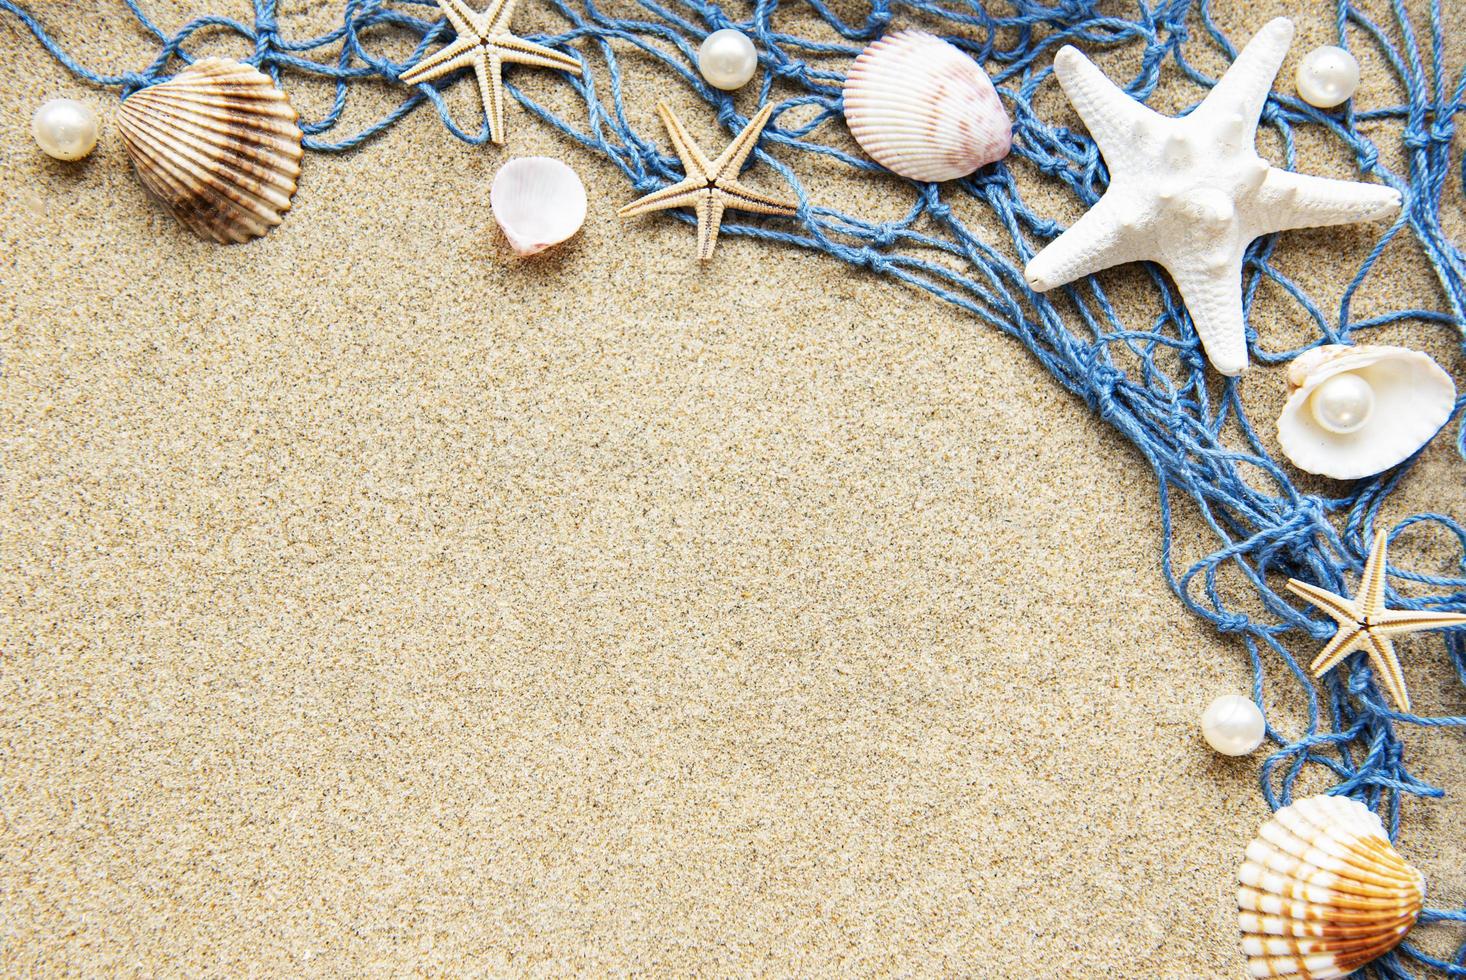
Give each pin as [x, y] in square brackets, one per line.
[1149, 383]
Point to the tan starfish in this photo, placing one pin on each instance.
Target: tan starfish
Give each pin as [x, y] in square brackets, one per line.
[1365, 624]
[711, 188]
[484, 41]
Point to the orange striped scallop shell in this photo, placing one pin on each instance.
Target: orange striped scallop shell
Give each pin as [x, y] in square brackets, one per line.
[1323, 892]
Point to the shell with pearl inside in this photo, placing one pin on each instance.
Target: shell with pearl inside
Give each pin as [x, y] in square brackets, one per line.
[1353, 412]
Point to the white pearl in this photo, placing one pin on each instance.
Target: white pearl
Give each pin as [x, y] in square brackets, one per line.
[727, 59]
[1327, 76]
[1233, 725]
[65, 129]
[1343, 403]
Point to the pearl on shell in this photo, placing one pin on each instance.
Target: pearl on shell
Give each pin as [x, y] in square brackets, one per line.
[65, 129]
[1412, 398]
[727, 59]
[1327, 77]
[1233, 725]
[1343, 403]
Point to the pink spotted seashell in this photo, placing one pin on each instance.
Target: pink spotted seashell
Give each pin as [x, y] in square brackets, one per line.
[924, 109]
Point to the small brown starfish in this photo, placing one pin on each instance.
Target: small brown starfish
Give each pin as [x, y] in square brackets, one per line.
[1365, 624]
[711, 188]
[485, 42]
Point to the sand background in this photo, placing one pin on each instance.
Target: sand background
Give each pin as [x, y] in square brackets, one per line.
[375, 603]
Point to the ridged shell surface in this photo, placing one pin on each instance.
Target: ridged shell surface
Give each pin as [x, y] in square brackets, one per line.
[218, 145]
[1413, 398]
[1323, 892]
[924, 109]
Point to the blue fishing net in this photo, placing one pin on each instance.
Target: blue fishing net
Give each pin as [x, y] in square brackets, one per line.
[1149, 382]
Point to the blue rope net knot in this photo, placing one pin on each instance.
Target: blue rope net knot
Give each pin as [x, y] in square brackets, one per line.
[1232, 622]
[1308, 516]
[884, 236]
[1104, 380]
[1438, 133]
[939, 211]
[794, 71]
[875, 260]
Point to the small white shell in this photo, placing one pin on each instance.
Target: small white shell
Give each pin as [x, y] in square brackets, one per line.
[1413, 398]
[1323, 892]
[924, 109]
[218, 144]
[538, 202]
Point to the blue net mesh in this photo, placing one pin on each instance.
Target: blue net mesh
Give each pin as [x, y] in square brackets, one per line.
[1151, 384]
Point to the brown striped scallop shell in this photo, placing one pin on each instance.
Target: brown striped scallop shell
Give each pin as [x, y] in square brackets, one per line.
[1323, 892]
[218, 145]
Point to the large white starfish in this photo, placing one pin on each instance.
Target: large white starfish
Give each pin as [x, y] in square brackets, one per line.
[486, 44]
[1191, 193]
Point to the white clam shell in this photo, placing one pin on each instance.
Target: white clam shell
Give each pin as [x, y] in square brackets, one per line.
[1413, 398]
[218, 145]
[924, 109]
[538, 202]
[1322, 892]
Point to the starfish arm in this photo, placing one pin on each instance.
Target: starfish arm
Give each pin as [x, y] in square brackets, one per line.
[709, 220]
[490, 73]
[743, 198]
[459, 54]
[1291, 200]
[462, 17]
[1387, 665]
[1398, 622]
[694, 164]
[521, 52]
[1213, 295]
[1344, 642]
[683, 194]
[730, 161]
[495, 18]
[1341, 610]
[1243, 90]
[1115, 121]
[1371, 596]
[1101, 238]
